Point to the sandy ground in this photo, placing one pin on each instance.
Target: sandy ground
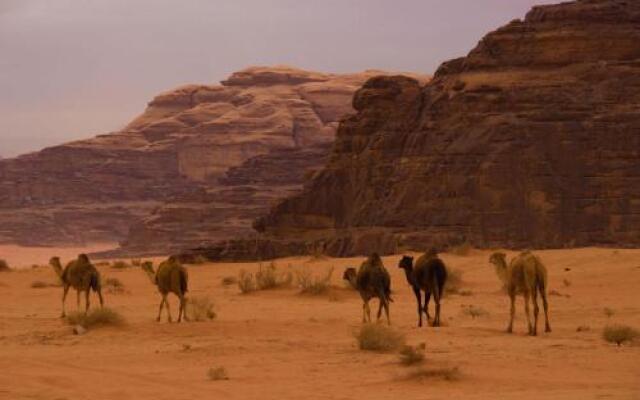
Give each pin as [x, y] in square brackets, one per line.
[282, 345]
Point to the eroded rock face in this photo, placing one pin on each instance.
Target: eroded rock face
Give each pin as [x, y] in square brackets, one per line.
[200, 164]
[532, 140]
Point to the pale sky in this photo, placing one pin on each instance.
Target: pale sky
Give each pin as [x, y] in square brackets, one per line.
[72, 69]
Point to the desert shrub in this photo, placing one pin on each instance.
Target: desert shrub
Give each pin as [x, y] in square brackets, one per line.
[448, 374]
[42, 284]
[619, 334]
[608, 312]
[113, 286]
[96, 318]
[465, 292]
[269, 278]
[217, 374]
[200, 309]
[376, 337]
[136, 262]
[198, 259]
[583, 328]
[566, 282]
[4, 266]
[246, 282]
[474, 311]
[229, 280]
[120, 265]
[463, 249]
[454, 282]
[101, 264]
[309, 284]
[411, 355]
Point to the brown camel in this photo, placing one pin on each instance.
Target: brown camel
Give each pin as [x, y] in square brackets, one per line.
[429, 275]
[371, 280]
[171, 277]
[525, 275]
[81, 275]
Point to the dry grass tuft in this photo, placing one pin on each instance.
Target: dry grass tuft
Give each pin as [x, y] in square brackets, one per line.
[267, 278]
[474, 311]
[377, 337]
[200, 309]
[462, 250]
[114, 286]
[454, 282]
[566, 282]
[447, 374]
[96, 318]
[608, 312]
[583, 328]
[246, 282]
[229, 280]
[42, 284]
[218, 374]
[619, 334]
[412, 355]
[120, 265]
[4, 266]
[316, 286]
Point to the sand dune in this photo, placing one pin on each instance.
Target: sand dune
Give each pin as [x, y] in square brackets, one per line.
[283, 345]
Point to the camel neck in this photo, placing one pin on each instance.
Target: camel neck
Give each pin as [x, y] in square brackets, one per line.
[409, 274]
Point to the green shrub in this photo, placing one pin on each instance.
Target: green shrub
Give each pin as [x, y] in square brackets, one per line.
[200, 309]
[376, 337]
[619, 334]
[96, 318]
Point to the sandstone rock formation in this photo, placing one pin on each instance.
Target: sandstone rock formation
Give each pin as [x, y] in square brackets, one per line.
[197, 166]
[532, 140]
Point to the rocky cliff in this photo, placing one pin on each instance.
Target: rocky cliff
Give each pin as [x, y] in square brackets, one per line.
[198, 165]
[531, 140]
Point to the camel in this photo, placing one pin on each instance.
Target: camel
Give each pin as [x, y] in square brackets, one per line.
[371, 280]
[527, 275]
[171, 277]
[82, 276]
[429, 275]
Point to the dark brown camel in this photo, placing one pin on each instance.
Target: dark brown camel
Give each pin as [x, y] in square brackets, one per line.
[371, 280]
[429, 275]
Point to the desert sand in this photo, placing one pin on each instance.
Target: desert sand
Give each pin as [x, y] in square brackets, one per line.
[282, 345]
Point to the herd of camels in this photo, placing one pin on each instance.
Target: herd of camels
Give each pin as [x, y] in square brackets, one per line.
[525, 275]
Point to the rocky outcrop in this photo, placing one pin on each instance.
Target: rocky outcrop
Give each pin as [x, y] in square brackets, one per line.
[529, 141]
[200, 164]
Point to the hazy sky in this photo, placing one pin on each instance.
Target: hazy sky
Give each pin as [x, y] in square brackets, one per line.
[74, 68]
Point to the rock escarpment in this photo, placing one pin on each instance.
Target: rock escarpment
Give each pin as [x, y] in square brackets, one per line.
[198, 165]
[532, 140]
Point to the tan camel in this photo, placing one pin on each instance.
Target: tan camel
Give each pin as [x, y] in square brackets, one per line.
[429, 275]
[525, 275]
[81, 275]
[171, 277]
[371, 280]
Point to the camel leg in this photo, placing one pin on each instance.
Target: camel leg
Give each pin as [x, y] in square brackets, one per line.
[364, 311]
[160, 309]
[536, 310]
[427, 299]
[86, 301]
[368, 309]
[78, 299]
[386, 310]
[545, 305]
[64, 297]
[379, 310]
[99, 291]
[527, 312]
[512, 297]
[166, 303]
[436, 299]
[184, 308]
[416, 291]
[181, 310]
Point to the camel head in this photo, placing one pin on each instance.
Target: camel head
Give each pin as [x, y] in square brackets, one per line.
[349, 275]
[55, 263]
[499, 260]
[406, 263]
[83, 258]
[147, 267]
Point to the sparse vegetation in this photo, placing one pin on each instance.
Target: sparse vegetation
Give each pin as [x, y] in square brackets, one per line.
[229, 280]
[114, 286]
[96, 318]
[198, 260]
[311, 285]
[120, 265]
[463, 249]
[218, 374]
[474, 311]
[42, 284]
[200, 309]
[136, 262]
[583, 328]
[558, 294]
[266, 278]
[412, 355]
[619, 334]
[448, 374]
[376, 337]
[454, 282]
[4, 266]
[465, 292]
[608, 312]
[566, 282]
